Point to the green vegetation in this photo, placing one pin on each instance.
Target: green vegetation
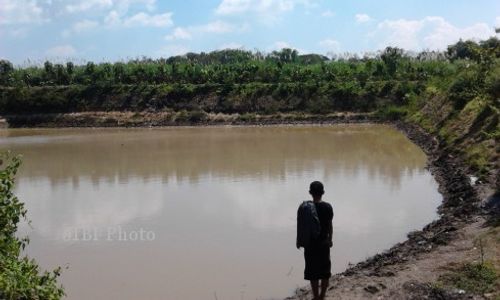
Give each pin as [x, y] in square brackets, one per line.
[477, 278]
[228, 81]
[391, 112]
[481, 277]
[453, 94]
[238, 81]
[20, 277]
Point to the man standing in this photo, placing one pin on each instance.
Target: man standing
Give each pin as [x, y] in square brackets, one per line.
[317, 252]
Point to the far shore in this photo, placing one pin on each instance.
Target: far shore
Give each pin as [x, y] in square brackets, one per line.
[168, 119]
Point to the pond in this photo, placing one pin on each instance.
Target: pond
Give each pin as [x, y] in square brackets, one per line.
[210, 212]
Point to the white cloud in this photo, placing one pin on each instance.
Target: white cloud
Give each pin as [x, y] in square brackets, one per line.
[227, 7]
[266, 11]
[144, 19]
[402, 33]
[231, 46]
[230, 7]
[79, 27]
[215, 27]
[445, 33]
[113, 18]
[81, 6]
[362, 18]
[179, 33]
[123, 5]
[328, 14]
[61, 51]
[280, 45]
[330, 45]
[497, 21]
[173, 50]
[428, 33]
[78, 6]
[20, 12]
[139, 19]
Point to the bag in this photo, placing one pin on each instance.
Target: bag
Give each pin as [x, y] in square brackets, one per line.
[308, 226]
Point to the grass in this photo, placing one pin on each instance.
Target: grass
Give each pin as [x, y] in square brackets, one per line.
[477, 157]
[195, 116]
[247, 117]
[481, 277]
[391, 112]
[477, 278]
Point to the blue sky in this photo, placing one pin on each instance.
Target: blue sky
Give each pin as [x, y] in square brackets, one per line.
[111, 30]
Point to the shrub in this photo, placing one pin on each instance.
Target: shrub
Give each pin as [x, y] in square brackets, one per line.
[476, 278]
[320, 105]
[20, 277]
[247, 117]
[391, 113]
[197, 116]
[463, 89]
[493, 83]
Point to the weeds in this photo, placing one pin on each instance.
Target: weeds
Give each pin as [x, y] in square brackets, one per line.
[477, 278]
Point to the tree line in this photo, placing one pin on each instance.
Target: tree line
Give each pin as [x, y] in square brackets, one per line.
[241, 66]
[239, 81]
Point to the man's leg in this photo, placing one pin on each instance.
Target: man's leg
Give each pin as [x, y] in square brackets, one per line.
[315, 289]
[324, 287]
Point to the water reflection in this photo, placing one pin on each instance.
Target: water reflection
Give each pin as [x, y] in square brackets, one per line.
[221, 202]
[87, 206]
[192, 153]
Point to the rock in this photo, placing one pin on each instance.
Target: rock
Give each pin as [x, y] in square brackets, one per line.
[371, 289]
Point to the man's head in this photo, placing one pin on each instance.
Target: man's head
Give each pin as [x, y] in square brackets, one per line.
[316, 189]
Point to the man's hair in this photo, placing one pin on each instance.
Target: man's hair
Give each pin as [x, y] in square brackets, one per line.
[316, 188]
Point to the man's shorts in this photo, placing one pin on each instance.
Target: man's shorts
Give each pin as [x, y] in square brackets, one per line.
[318, 264]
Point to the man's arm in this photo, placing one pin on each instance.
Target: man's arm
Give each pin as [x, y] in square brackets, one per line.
[297, 232]
[330, 228]
[330, 233]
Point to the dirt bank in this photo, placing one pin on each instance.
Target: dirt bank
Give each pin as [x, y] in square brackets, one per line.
[411, 269]
[183, 118]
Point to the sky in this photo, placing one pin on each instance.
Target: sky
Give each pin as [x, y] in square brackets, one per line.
[32, 31]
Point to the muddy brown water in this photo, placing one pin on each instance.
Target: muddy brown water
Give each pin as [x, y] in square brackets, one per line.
[209, 213]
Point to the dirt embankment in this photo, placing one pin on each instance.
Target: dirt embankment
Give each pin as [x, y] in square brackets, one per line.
[182, 118]
[411, 269]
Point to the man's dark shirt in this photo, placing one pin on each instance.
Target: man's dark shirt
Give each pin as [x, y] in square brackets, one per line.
[325, 215]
